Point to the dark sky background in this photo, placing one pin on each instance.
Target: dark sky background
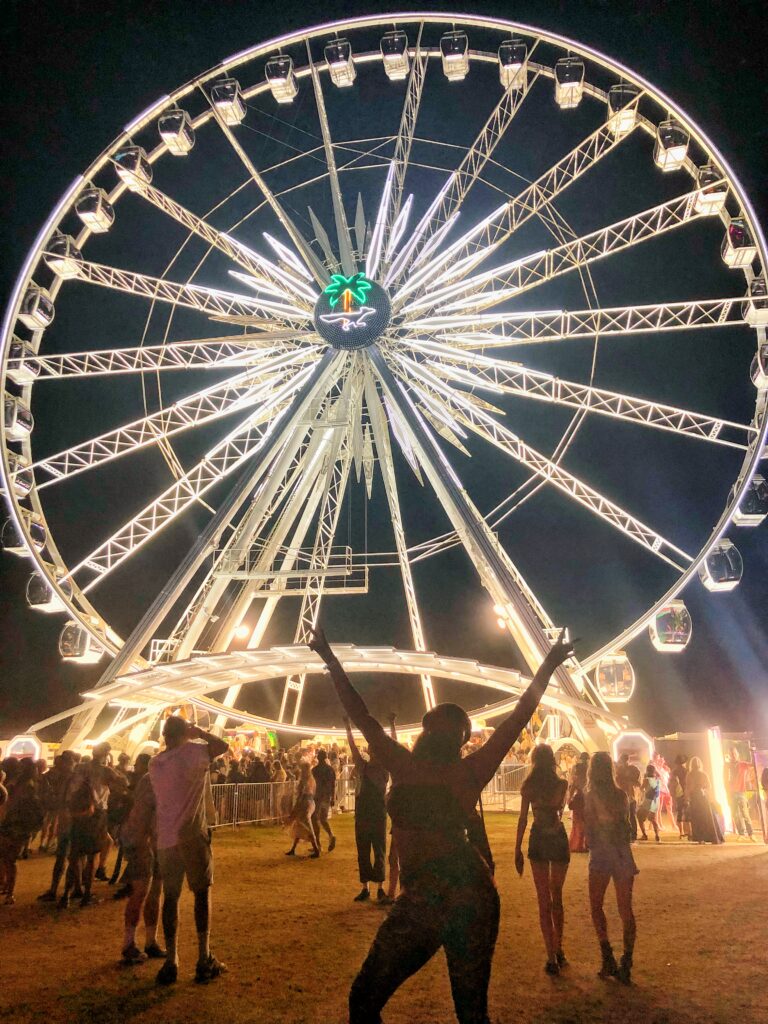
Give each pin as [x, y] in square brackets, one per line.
[75, 73]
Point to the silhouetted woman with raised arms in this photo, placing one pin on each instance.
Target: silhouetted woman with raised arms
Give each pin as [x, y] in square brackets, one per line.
[448, 895]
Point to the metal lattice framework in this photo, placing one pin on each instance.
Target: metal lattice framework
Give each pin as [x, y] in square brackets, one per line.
[441, 226]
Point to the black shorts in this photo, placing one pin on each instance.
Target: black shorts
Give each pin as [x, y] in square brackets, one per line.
[550, 844]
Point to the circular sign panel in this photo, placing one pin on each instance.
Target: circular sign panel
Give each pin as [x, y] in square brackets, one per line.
[352, 312]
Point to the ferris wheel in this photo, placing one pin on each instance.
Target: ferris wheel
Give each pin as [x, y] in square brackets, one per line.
[315, 270]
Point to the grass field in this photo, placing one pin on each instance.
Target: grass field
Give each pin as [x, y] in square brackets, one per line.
[293, 940]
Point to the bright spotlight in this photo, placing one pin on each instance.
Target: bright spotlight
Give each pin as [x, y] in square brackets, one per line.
[498, 609]
[501, 623]
[242, 632]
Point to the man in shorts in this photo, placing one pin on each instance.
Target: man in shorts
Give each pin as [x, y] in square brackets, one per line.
[325, 796]
[180, 778]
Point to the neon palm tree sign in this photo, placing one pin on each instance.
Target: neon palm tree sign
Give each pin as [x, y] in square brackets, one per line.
[350, 293]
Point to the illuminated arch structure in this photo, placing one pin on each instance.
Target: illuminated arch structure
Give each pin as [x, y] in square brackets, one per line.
[398, 330]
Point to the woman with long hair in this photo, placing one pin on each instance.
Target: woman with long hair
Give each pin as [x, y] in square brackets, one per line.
[302, 811]
[606, 818]
[577, 841]
[704, 824]
[649, 807]
[448, 897]
[544, 792]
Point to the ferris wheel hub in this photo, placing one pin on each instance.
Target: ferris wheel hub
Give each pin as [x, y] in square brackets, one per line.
[352, 312]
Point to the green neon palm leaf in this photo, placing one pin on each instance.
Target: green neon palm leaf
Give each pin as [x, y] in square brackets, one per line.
[358, 285]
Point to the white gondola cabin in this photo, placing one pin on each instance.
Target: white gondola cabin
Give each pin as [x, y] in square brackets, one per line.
[394, 54]
[133, 168]
[95, 210]
[513, 63]
[615, 678]
[13, 540]
[22, 366]
[713, 190]
[671, 146]
[454, 50]
[755, 309]
[622, 108]
[723, 567]
[37, 309]
[738, 248]
[759, 369]
[43, 597]
[671, 628]
[341, 63]
[17, 419]
[226, 98]
[76, 644]
[281, 78]
[569, 82]
[753, 507]
[176, 131]
[62, 256]
[20, 474]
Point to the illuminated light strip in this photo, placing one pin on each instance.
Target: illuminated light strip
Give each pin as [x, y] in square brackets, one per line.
[435, 240]
[474, 284]
[717, 774]
[399, 226]
[400, 260]
[288, 255]
[377, 238]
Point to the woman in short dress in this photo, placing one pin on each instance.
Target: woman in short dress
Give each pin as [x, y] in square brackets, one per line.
[544, 792]
[606, 818]
[303, 809]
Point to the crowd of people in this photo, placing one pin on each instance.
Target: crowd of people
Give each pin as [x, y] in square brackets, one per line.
[157, 814]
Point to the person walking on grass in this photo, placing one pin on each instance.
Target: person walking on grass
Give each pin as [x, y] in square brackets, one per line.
[370, 819]
[609, 832]
[544, 792]
[180, 777]
[649, 806]
[139, 844]
[65, 769]
[302, 811]
[449, 897]
[325, 798]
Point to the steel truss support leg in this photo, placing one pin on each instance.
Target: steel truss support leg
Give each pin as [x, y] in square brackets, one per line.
[526, 622]
[381, 438]
[206, 542]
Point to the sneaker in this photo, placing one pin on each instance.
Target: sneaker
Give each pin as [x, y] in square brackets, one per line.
[380, 895]
[47, 897]
[552, 968]
[290, 853]
[209, 969]
[89, 901]
[77, 894]
[100, 874]
[63, 903]
[155, 952]
[332, 844]
[133, 955]
[362, 896]
[314, 855]
[167, 974]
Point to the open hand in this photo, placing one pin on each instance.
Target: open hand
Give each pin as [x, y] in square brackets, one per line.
[561, 651]
[519, 862]
[319, 644]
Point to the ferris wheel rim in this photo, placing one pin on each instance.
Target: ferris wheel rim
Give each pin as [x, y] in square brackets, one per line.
[313, 32]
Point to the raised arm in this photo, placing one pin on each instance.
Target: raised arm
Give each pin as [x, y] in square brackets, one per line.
[487, 759]
[216, 746]
[379, 743]
[357, 757]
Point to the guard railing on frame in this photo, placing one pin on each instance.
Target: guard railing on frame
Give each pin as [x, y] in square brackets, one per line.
[269, 803]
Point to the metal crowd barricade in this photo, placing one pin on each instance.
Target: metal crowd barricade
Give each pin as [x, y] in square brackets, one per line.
[503, 791]
[266, 803]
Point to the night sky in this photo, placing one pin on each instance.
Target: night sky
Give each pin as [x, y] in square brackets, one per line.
[75, 73]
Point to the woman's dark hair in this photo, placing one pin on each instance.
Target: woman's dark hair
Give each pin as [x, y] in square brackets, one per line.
[447, 728]
[651, 772]
[542, 780]
[602, 783]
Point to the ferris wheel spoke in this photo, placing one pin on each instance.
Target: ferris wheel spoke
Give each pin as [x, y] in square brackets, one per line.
[386, 465]
[499, 330]
[469, 415]
[205, 406]
[403, 145]
[315, 266]
[213, 301]
[261, 270]
[220, 462]
[472, 165]
[198, 354]
[512, 279]
[504, 377]
[455, 262]
[348, 261]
